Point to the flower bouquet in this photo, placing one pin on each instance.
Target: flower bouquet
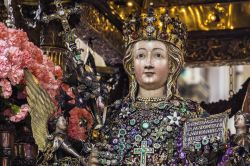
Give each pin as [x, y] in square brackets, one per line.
[17, 54]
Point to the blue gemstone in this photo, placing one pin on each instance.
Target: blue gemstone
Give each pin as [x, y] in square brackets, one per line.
[149, 141]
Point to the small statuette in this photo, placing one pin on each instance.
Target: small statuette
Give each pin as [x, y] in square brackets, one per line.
[95, 134]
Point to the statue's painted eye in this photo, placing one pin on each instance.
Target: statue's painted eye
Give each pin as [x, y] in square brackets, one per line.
[140, 56]
[158, 55]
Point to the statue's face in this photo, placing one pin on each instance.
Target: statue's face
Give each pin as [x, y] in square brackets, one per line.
[239, 121]
[61, 123]
[150, 64]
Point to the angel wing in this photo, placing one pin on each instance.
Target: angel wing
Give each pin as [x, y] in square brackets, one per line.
[42, 108]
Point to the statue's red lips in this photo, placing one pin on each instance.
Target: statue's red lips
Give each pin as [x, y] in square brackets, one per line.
[149, 72]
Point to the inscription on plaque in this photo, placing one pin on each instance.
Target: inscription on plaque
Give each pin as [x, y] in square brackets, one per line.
[214, 126]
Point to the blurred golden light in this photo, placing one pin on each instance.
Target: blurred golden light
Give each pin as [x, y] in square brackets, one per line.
[162, 10]
[211, 17]
[160, 24]
[98, 20]
[130, 4]
[122, 15]
[183, 10]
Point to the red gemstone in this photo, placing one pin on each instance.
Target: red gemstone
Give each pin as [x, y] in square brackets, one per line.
[134, 36]
[163, 36]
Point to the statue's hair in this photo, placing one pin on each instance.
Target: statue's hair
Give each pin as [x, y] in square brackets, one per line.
[175, 60]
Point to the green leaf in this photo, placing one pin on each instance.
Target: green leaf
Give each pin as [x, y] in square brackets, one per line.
[15, 108]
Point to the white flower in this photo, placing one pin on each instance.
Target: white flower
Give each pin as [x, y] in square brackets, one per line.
[174, 119]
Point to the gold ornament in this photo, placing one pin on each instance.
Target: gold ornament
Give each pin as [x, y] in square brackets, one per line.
[153, 27]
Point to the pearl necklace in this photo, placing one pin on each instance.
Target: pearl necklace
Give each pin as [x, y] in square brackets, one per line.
[151, 99]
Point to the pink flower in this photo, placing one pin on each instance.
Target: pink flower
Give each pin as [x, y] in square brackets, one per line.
[15, 56]
[27, 60]
[21, 114]
[58, 72]
[15, 75]
[5, 67]
[3, 45]
[5, 88]
[17, 37]
[48, 63]
[36, 53]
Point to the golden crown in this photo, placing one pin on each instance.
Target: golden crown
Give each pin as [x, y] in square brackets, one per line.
[152, 27]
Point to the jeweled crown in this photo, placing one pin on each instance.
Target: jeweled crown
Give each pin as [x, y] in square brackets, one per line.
[152, 27]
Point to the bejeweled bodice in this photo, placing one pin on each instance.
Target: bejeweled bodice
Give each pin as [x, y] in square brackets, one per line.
[149, 133]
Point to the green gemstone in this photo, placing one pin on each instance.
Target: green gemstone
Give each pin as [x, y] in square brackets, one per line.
[122, 146]
[156, 121]
[145, 125]
[138, 138]
[116, 147]
[183, 108]
[122, 140]
[143, 150]
[78, 56]
[132, 122]
[205, 141]
[162, 106]
[198, 146]
[122, 132]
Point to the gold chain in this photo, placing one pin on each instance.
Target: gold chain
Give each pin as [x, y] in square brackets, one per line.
[231, 77]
